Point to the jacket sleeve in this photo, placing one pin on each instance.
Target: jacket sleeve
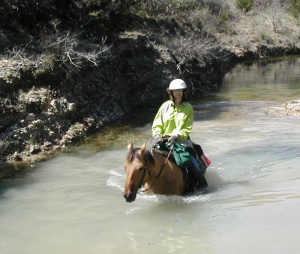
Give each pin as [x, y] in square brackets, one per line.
[157, 125]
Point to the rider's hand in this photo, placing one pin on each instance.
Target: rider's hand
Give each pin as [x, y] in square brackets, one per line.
[173, 139]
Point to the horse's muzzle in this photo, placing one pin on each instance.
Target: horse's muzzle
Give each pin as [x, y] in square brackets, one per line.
[130, 197]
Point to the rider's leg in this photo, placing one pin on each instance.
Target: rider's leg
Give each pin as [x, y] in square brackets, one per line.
[197, 172]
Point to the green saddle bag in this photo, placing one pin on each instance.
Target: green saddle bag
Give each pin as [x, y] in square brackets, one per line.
[181, 155]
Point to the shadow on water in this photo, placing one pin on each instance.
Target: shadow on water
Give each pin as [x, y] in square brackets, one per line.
[13, 170]
[14, 176]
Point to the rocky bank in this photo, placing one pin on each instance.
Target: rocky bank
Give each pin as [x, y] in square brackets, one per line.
[291, 108]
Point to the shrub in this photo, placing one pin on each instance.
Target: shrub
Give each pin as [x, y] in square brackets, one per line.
[29, 16]
[111, 6]
[244, 5]
[295, 8]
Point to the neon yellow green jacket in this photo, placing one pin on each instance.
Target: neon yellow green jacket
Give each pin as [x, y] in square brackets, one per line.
[173, 121]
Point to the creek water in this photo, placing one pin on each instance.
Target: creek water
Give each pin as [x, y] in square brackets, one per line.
[73, 203]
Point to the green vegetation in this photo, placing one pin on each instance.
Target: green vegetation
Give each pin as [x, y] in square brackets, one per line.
[244, 5]
[295, 8]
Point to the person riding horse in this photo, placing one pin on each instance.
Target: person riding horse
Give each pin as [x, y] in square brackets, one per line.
[174, 121]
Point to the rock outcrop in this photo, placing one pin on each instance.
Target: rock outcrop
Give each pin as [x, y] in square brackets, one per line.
[291, 108]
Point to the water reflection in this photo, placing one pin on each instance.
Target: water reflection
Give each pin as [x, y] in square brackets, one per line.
[267, 81]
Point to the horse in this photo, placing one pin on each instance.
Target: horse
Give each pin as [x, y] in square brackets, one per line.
[152, 170]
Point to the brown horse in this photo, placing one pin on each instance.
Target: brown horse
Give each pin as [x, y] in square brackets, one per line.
[152, 170]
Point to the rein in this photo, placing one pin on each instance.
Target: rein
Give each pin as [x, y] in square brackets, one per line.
[159, 173]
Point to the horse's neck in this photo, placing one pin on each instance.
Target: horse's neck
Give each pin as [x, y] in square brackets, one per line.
[165, 176]
[158, 159]
[160, 163]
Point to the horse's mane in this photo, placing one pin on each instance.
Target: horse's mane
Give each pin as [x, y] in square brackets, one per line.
[134, 154]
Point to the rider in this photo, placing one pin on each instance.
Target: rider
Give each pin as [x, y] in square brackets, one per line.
[174, 120]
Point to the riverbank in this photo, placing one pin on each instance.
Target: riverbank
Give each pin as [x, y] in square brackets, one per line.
[62, 85]
[291, 108]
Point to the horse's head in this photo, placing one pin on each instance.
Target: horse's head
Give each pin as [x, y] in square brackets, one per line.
[135, 169]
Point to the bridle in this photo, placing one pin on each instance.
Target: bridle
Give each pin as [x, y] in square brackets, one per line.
[146, 168]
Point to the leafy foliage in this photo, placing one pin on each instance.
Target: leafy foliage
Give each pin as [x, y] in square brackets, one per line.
[295, 8]
[244, 5]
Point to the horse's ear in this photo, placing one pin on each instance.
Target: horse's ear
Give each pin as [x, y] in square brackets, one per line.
[143, 148]
[130, 146]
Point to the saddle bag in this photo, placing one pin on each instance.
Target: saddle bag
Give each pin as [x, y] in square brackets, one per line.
[181, 155]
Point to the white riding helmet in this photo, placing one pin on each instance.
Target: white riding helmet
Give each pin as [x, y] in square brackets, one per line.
[177, 84]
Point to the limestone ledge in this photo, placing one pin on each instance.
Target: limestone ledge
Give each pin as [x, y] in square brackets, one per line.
[291, 108]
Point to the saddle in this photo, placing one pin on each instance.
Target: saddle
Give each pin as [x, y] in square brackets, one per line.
[180, 155]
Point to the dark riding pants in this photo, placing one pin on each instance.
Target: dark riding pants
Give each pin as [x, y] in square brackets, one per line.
[197, 172]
